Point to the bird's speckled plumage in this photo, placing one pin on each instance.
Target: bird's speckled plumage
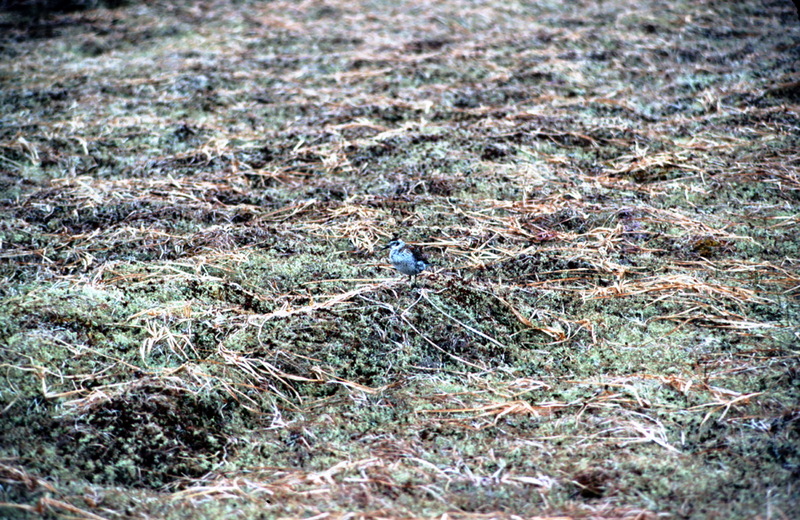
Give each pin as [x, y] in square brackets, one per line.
[405, 259]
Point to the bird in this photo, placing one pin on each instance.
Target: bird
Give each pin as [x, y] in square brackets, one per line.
[406, 259]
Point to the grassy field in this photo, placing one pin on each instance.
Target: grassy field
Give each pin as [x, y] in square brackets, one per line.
[197, 319]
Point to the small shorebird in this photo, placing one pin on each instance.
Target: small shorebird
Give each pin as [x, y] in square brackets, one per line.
[406, 259]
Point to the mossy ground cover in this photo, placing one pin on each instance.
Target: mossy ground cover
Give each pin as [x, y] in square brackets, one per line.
[197, 320]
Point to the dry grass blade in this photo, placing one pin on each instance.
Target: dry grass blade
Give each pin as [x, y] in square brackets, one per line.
[724, 405]
[16, 475]
[674, 285]
[332, 301]
[500, 410]
[178, 344]
[424, 295]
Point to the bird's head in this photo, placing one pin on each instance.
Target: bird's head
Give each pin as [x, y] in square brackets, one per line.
[395, 244]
